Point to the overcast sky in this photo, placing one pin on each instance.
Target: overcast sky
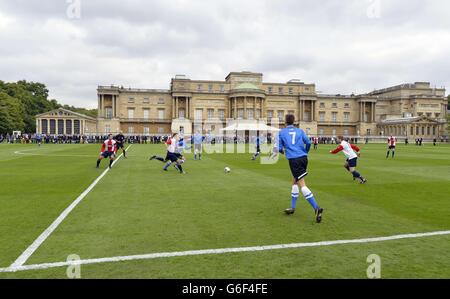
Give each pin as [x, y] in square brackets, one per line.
[342, 46]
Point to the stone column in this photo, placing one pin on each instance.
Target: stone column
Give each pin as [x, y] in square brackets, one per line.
[173, 107]
[235, 108]
[254, 108]
[73, 129]
[313, 110]
[245, 107]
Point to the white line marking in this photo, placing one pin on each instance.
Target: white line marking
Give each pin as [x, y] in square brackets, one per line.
[35, 245]
[217, 251]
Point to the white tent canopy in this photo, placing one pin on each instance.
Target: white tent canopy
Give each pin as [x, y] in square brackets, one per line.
[249, 125]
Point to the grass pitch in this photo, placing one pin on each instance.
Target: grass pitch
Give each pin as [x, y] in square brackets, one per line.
[137, 209]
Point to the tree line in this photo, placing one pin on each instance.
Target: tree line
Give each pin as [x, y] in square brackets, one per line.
[21, 101]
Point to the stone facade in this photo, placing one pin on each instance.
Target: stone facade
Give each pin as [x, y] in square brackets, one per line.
[64, 122]
[244, 95]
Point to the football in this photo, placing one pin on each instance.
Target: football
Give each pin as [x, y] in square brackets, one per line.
[227, 169]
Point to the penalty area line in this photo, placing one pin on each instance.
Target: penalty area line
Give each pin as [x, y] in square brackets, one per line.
[38, 242]
[217, 251]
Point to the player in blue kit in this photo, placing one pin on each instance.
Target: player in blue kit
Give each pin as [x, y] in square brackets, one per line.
[294, 143]
[258, 147]
[198, 144]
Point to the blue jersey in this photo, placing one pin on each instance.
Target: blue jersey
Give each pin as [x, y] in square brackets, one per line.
[294, 142]
[198, 139]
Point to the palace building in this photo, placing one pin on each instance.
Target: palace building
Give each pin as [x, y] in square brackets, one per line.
[415, 110]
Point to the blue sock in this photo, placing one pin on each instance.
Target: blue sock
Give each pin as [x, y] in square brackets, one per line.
[356, 174]
[309, 196]
[167, 165]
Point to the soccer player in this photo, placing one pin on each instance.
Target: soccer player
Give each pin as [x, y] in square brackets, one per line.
[120, 140]
[315, 142]
[198, 145]
[391, 146]
[171, 156]
[39, 139]
[352, 156]
[294, 143]
[109, 150]
[258, 148]
[275, 147]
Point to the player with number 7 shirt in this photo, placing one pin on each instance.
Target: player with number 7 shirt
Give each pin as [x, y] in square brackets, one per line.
[294, 143]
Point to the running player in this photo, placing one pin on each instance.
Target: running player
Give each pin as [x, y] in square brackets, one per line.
[172, 156]
[109, 150]
[198, 145]
[274, 153]
[120, 140]
[391, 146]
[315, 142]
[296, 145]
[352, 157]
[258, 147]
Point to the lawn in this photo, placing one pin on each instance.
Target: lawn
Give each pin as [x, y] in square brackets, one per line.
[136, 208]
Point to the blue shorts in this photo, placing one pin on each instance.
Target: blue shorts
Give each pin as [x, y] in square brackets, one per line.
[352, 162]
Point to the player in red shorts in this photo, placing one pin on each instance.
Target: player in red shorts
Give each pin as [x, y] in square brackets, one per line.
[109, 150]
[391, 146]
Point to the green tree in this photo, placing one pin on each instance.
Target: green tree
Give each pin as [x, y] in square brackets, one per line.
[11, 114]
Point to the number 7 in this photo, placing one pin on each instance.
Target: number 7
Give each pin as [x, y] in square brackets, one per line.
[293, 136]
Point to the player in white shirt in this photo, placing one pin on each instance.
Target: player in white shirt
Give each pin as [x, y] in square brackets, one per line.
[172, 155]
[352, 157]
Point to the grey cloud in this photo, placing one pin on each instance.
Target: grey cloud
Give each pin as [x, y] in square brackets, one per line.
[144, 43]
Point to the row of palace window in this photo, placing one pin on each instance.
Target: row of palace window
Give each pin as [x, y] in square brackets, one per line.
[419, 130]
[131, 130]
[49, 126]
[334, 116]
[333, 105]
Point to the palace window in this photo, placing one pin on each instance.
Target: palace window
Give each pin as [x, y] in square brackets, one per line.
[250, 114]
[334, 116]
[160, 130]
[222, 88]
[210, 87]
[345, 131]
[146, 113]
[437, 115]
[346, 116]
[240, 113]
[76, 127]
[270, 89]
[198, 113]
[210, 113]
[181, 113]
[280, 115]
[291, 90]
[334, 105]
[161, 101]
[60, 126]
[130, 130]
[346, 105]
[199, 87]
[130, 100]
[258, 113]
[334, 132]
[321, 116]
[280, 90]
[68, 127]
[320, 131]
[146, 101]
[107, 128]
[222, 114]
[108, 111]
[161, 113]
[322, 105]
[130, 112]
[146, 130]
[269, 114]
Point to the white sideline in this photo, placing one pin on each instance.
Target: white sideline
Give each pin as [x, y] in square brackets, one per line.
[217, 251]
[35, 245]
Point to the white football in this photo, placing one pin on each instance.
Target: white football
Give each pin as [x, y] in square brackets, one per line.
[227, 169]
